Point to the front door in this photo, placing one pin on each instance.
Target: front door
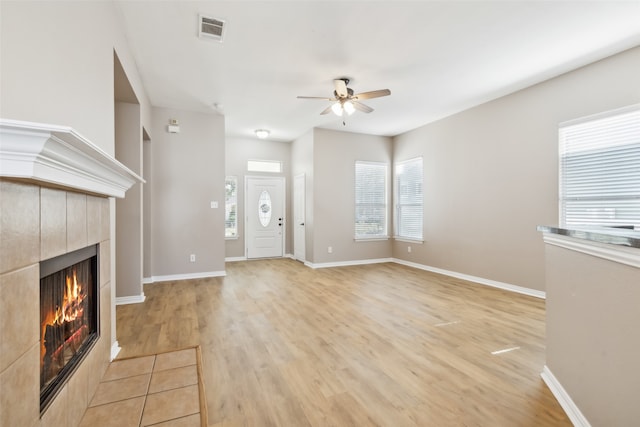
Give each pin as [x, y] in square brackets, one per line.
[264, 207]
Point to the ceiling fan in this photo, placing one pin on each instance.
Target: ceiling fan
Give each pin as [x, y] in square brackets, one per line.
[346, 101]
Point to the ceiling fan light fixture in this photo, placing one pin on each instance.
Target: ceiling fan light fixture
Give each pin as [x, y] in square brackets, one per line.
[345, 102]
[349, 108]
[337, 108]
[262, 133]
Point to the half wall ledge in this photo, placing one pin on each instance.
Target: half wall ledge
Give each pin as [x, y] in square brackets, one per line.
[61, 157]
[613, 244]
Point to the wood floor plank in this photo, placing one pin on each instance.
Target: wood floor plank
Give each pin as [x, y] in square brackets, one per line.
[373, 345]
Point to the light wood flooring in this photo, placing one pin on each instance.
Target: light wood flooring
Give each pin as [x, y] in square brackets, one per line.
[384, 344]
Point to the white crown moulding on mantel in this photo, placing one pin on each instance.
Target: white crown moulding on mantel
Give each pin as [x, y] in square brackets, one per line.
[60, 156]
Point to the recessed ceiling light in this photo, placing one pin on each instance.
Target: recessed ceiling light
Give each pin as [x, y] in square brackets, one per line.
[262, 133]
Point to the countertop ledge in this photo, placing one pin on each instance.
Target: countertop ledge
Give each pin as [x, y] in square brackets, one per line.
[614, 236]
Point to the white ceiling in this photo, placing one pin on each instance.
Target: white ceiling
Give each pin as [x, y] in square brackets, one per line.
[437, 58]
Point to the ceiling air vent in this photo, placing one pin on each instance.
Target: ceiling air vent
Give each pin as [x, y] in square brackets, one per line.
[210, 28]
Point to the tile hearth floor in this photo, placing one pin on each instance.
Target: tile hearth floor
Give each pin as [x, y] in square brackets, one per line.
[159, 390]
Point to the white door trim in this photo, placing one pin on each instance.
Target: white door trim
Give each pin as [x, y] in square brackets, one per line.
[299, 222]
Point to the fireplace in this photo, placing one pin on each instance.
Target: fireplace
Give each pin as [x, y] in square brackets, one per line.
[56, 196]
[68, 316]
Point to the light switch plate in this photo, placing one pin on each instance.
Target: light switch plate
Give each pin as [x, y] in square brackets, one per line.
[214, 205]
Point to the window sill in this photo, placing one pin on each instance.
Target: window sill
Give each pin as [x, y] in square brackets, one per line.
[408, 240]
[231, 238]
[371, 239]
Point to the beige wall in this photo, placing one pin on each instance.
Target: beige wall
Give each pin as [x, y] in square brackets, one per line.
[490, 173]
[593, 341]
[146, 208]
[128, 135]
[238, 151]
[188, 170]
[57, 65]
[334, 157]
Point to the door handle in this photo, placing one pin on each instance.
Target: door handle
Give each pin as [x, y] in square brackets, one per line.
[302, 223]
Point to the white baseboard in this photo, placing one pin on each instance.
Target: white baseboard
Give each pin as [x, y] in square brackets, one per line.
[244, 258]
[147, 280]
[493, 283]
[563, 398]
[348, 263]
[115, 349]
[203, 275]
[133, 299]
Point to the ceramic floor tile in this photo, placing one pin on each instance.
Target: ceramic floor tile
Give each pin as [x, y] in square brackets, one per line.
[190, 421]
[124, 388]
[125, 413]
[175, 359]
[173, 378]
[129, 368]
[171, 404]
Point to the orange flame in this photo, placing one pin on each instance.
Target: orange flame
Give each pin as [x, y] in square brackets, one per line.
[70, 309]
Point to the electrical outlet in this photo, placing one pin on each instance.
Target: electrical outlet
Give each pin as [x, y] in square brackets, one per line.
[329, 250]
[192, 257]
[214, 205]
[409, 249]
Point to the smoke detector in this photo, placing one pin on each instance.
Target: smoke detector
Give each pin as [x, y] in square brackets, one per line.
[211, 28]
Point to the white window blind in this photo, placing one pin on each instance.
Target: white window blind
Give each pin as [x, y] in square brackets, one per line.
[231, 207]
[371, 200]
[409, 200]
[600, 170]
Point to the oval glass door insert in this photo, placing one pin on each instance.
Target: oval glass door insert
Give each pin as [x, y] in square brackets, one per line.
[264, 208]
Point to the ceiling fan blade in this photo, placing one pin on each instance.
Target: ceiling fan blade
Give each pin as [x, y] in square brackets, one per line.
[341, 88]
[316, 97]
[373, 94]
[326, 110]
[361, 107]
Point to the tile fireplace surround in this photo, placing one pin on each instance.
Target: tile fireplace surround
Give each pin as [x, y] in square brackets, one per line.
[55, 190]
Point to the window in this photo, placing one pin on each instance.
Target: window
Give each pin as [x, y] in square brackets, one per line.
[231, 207]
[272, 166]
[600, 169]
[371, 200]
[408, 199]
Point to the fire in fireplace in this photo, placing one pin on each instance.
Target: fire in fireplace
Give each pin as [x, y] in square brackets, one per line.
[68, 316]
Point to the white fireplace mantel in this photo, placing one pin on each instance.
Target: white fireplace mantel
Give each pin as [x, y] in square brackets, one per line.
[60, 156]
